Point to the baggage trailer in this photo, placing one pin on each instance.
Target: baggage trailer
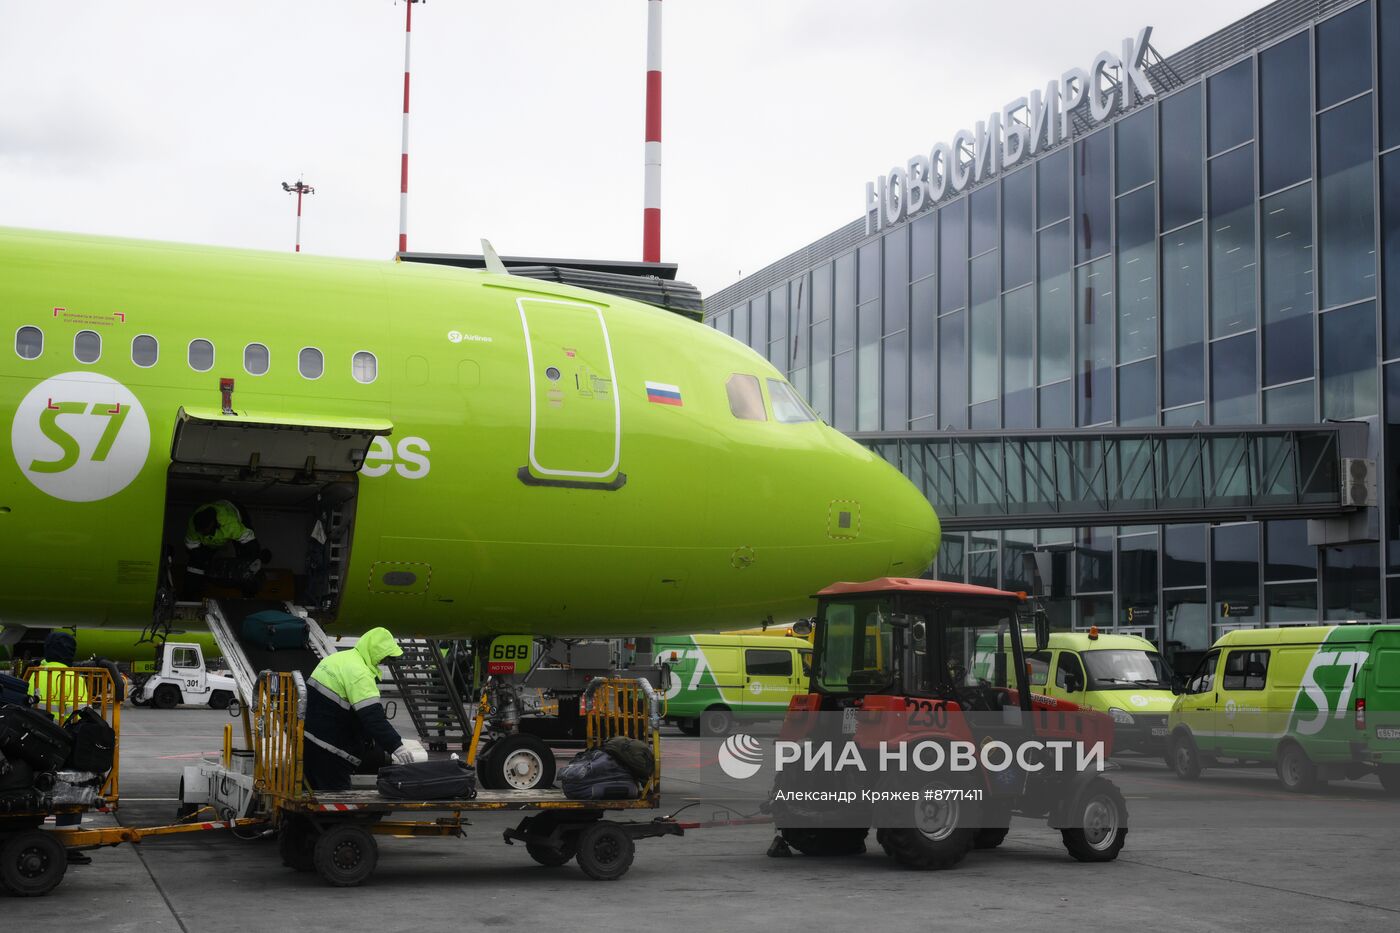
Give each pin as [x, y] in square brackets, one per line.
[332, 833]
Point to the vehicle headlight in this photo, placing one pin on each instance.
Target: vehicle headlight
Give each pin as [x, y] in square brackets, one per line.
[1121, 716]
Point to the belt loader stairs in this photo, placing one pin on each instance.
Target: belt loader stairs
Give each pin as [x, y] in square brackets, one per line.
[428, 690]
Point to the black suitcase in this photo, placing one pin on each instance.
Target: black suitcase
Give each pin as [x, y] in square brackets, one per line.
[596, 775]
[94, 741]
[15, 775]
[32, 735]
[16, 691]
[453, 779]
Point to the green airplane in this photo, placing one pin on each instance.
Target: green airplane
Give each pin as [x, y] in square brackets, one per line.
[127, 647]
[444, 451]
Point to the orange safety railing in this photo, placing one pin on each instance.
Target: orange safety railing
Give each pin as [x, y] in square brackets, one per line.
[279, 721]
[622, 706]
[65, 689]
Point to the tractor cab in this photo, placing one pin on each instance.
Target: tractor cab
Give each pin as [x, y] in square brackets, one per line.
[924, 640]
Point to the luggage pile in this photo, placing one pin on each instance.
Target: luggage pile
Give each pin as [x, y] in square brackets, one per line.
[43, 764]
[616, 771]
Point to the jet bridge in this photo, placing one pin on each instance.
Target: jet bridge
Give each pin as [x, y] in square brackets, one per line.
[1126, 476]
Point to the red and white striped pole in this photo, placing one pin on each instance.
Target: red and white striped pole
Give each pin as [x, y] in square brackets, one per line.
[403, 163]
[651, 205]
[300, 188]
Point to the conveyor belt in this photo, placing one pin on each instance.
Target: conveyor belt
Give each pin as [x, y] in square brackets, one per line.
[246, 658]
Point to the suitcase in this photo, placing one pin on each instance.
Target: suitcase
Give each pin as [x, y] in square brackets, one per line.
[94, 741]
[452, 779]
[596, 775]
[275, 630]
[16, 691]
[633, 754]
[15, 775]
[76, 787]
[33, 736]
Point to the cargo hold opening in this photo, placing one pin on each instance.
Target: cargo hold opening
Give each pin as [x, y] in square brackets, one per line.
[294, 481]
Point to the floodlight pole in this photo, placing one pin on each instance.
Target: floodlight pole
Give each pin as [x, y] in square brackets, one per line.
[403, 162]
[651, 201]
[300, 188]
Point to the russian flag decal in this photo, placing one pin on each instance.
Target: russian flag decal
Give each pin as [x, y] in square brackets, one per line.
[663, 394]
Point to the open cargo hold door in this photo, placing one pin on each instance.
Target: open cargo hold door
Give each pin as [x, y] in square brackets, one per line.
[299, 444]
[295, 479]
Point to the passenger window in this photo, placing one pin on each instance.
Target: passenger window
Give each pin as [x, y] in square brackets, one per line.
[87, 346]
[184, 657]
[256, 359]
[201, 356]
[768, 662]
[1245, 670]
[745, 398]
[1204, 678]
[1039, 664]
[29, 342]
[788, 407]
[310, 363]
[144, 350]
[364, 367]
[1069, 673]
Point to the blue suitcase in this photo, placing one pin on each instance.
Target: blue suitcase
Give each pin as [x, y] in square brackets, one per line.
[275, 630]
[596, 775]
[15, 691]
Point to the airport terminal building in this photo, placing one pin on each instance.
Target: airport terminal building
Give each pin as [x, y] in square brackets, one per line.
[1120, 319]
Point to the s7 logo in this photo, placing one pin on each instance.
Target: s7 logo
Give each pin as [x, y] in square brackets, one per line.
[69, 450]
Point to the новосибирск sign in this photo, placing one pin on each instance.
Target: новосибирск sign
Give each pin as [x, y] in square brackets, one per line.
[1022, 128]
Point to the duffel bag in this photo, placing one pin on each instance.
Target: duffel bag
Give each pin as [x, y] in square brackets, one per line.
[94, 741]
[452, 779]
[33, 736]
[16, 691]
[633, 754]
[275, 630]
[596, 775]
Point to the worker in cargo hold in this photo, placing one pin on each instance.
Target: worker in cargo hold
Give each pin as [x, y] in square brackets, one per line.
[59, 696]
[212, 527]
[344, 714]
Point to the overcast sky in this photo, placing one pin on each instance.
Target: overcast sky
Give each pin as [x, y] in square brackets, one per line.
[178, 121]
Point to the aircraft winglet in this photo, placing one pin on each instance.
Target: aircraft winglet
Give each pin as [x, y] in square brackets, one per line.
[493, 262]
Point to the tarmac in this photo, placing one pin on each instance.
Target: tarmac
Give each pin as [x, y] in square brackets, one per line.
[1233, 851]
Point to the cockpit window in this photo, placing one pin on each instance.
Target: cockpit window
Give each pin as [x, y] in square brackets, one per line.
[745, 397]
[788, 406]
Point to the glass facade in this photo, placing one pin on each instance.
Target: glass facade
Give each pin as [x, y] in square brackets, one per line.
[1224, 253]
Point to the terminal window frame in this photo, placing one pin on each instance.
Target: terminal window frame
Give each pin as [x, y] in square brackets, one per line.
[1239, 673]
[154, 348]
[250, 353]
[745, 397]
[364, 363]
[302, 362]
[190, 357]
[94, 351]
[25, 330]
[768, 662]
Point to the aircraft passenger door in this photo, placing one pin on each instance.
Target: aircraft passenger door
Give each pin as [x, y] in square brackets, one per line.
[575, 413]
[768, 676]
[187, 667]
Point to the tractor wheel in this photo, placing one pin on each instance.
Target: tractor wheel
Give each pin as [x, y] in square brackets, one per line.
[1184, 757]
[1102, 818]
[345, 855]
[882, 836]
[296, 843]
[220, 699]
[1390, 779]
[605, 851]
[716, 722]
[518, 762]
[1295, 769]
[826, 841]
[940, 837]
[551, 857]
[32, 863]
[989, 838]
[167, 696]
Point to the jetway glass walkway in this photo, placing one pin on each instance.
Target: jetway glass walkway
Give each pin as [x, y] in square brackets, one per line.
[1124, 476]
